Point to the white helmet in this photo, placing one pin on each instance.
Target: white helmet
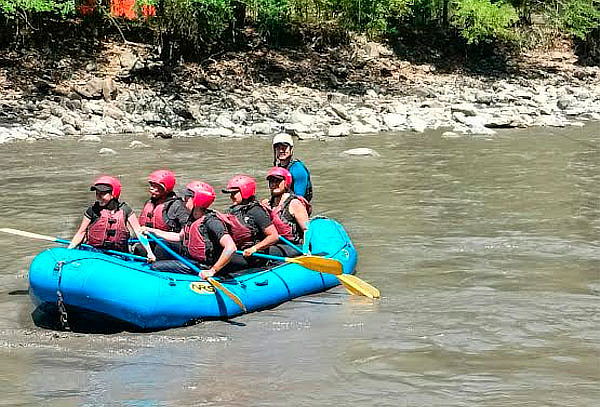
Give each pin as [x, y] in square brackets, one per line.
[283, 138]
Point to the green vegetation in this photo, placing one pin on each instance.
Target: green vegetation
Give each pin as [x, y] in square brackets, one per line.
[22, 9]
[197, 27]
[480, 20]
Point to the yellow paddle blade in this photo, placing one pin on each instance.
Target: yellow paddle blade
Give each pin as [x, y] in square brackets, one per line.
[28, 234]
[358, 287]
[228, 293]
[317, 263]
[350, 289]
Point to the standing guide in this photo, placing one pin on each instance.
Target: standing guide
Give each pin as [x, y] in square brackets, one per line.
[283, 151]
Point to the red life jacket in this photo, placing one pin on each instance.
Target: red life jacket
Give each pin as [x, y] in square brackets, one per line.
[109, 231]
[243, 233]
[196, 241]
[284, 221]
[153, 215]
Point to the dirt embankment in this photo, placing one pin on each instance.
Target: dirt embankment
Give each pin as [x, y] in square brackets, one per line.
[357, 88]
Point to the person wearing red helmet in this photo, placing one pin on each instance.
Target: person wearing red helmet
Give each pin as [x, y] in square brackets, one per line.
[283, 156]
[204, 238]
[288, 211]
[106, 223]
[251, 225]
[164, 210]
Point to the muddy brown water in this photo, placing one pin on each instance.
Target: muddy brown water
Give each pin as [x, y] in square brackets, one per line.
[486, 250]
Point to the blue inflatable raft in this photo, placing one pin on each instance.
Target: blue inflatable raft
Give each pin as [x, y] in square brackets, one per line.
[88, 282]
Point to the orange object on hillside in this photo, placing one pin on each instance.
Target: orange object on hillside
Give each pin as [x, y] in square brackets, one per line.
[126, 9]
[118, 8]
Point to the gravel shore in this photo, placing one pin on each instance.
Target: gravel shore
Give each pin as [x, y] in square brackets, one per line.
[373, 92]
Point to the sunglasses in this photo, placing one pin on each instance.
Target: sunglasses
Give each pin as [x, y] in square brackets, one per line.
[274, 180]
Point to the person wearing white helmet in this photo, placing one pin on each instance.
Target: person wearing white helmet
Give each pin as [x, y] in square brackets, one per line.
[283, 156]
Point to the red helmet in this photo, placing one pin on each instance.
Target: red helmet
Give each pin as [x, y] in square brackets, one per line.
[244, 183]
[164, 178]
[203, 194]
[112, 182]
[280, 172]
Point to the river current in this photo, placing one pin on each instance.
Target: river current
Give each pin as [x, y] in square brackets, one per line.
[486, 251]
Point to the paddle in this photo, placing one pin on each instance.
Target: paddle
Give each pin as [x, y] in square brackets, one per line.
[64, 241]
[284, 240]
[357, 286]
[210, 280]
[353, 284]
[316, 263]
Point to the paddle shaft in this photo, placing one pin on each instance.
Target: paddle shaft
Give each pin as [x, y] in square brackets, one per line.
[210, 280]
[64, 241]
[173, 253]
[87, 246]
[131, 256]
[316, 263]
[265, 256]
[286, 241]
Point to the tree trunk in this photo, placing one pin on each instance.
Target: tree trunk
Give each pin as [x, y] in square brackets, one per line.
[445, 13]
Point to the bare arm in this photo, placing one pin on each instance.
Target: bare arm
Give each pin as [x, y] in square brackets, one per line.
[170, 236]
[228, 249]
[270, 239]
[132, 220]
[298, 210]
[80, 234]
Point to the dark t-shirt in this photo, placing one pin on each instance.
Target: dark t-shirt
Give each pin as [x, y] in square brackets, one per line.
[260, 217]
[216, 229]
[93, 211]
[176, 215]
[256, 217]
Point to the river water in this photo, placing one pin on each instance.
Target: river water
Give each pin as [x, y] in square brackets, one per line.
[486, 250]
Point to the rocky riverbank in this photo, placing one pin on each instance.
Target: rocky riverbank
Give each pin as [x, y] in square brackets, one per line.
[358, 89]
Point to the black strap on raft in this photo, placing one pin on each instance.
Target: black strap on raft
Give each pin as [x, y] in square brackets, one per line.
[62, 310]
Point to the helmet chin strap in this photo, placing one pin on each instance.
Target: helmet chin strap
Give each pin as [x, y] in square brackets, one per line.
[277, 161]
[198, 210]
[112, 204]
[160, 197]
[286, 161]
[276, 199]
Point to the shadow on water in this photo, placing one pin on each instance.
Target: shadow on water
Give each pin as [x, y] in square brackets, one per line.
[47, 316]
[234, 323]
[318, 302]
[19, 292]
